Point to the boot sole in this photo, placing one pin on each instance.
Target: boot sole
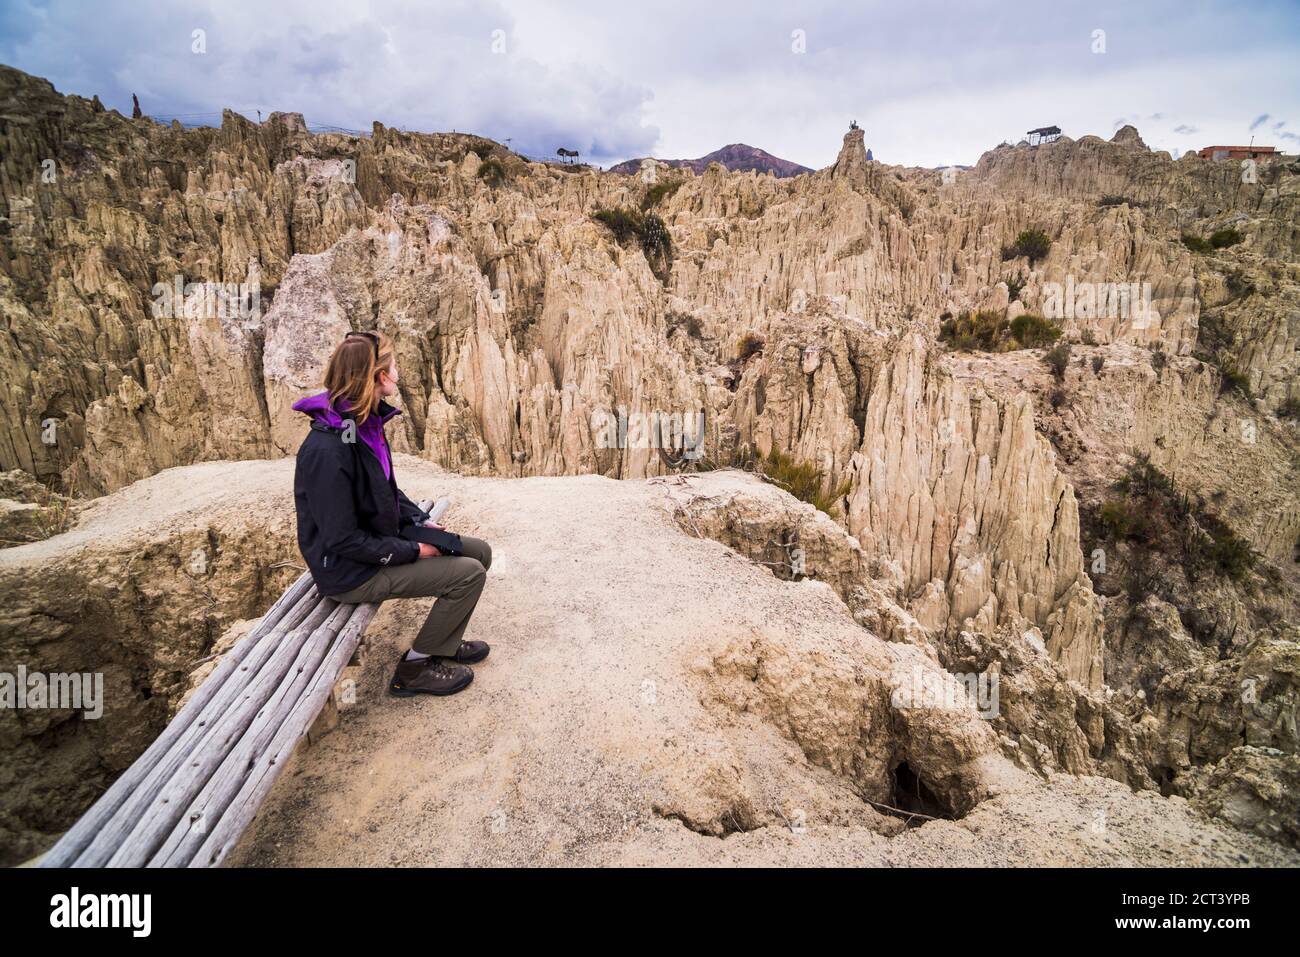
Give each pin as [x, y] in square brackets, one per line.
[410, 693]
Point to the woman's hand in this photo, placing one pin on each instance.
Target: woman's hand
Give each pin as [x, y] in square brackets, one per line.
[428, 551]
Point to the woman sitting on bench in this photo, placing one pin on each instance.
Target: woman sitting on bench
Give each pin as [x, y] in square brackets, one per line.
[365, 541]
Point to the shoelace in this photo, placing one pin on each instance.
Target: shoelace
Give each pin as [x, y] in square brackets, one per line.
[440, 668]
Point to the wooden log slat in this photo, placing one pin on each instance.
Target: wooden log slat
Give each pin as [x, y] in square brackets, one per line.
[79, 836]
[214, 797]
[115, 830]
[259, 780]
[153, 826]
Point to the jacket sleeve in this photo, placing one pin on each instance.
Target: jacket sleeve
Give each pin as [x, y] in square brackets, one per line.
[407, 510]
[329, 498]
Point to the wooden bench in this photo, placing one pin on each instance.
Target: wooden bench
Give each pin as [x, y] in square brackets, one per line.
[187, 800]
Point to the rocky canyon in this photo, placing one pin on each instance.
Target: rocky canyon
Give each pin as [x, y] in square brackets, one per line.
[1104, 526]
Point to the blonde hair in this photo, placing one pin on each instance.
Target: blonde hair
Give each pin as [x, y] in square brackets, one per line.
[353, 372]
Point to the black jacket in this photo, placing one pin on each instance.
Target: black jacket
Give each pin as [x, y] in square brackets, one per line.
[349, 516]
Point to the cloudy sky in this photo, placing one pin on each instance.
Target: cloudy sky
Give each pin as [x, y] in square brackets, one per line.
[931, 83]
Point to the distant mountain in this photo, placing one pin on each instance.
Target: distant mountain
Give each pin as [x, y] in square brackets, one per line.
[737, 157]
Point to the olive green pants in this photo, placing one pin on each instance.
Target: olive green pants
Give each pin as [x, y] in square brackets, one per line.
[456, 581]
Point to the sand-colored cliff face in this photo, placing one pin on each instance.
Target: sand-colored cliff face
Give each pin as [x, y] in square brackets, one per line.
[518, 318]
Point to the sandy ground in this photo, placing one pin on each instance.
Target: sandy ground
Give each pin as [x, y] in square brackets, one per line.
[592, 731]
[172, 499]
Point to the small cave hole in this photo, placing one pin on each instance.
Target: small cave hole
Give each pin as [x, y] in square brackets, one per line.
[914, 801]
[1165, 780]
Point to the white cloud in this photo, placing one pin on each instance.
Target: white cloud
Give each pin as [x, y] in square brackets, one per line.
[339, 63]
[932, 83]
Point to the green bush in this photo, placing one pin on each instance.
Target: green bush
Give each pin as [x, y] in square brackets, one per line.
[1231, 556]
[647, 229]
[988, 331]
[628, 224]
[1034, 244]
[1034, 332]
[1097, 363]
[1219, 239]
[977, 332]
[1233, 378]
[1150, 514]
[660, 191]
[1014, 285]
[492, 172]
[1120, 522]
[1058, 359]
[624, 223]
[1223, 238]
[1290, 409]
[1031, 243]
[803, 480]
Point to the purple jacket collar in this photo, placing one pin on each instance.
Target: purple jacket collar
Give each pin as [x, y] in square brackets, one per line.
[371, 431]
[318, 407]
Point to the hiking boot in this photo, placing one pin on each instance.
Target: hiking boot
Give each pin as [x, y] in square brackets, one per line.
[432, 675]
[472, 652]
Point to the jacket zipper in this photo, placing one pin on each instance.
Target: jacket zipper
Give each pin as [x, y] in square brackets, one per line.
[390, 481]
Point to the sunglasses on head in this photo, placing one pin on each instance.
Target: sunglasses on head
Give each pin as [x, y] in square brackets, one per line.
[374, 339]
